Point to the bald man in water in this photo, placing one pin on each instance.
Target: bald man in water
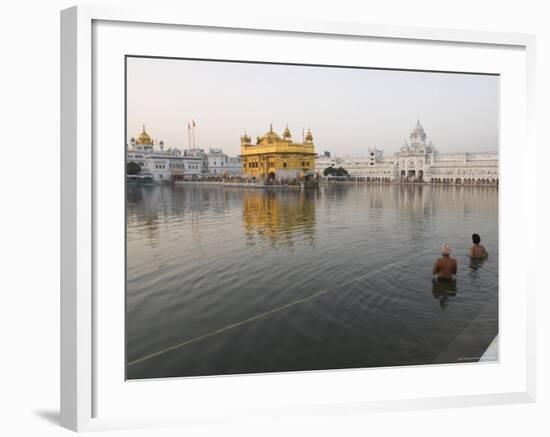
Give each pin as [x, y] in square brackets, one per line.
[445, 267]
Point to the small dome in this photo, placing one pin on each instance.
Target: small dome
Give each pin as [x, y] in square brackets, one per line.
[245, 138]
[418, 128]
[286, 133]
[418, 134]
[144, 137]
[270, 135]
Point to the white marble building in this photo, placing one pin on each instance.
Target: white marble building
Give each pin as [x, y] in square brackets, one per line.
[419, 161]
[165, 168]
[166, 165]
[323, 162]
[220, 164]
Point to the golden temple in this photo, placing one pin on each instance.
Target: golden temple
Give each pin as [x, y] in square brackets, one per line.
[275, 157]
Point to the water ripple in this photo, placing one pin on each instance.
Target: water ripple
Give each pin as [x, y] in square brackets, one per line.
[203, 257]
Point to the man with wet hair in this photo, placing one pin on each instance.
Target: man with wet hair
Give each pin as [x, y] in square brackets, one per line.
[477, 250]
[445, 267]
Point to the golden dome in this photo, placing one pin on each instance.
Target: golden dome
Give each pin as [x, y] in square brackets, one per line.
[271, 134]
[245, 138]
[144, 137]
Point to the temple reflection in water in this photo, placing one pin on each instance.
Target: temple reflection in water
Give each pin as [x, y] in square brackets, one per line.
[285, 215]
[201, 258]
[279, 216]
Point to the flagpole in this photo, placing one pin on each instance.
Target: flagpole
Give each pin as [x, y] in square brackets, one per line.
[193, 134]
[188, 136]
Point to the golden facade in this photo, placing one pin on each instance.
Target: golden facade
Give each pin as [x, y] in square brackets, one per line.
[277, 157]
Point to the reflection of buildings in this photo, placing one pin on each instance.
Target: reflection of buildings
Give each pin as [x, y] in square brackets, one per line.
[152, 210]
[416, 201]
[275, 157]
[173, 164]
[279, 215]
[428, 200]
[419, 161]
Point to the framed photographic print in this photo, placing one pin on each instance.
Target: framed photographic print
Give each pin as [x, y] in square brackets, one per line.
[313, 216]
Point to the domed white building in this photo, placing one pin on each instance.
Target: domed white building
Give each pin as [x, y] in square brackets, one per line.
[164, 165]
[418, 160]
[415, 156]
[161, 164]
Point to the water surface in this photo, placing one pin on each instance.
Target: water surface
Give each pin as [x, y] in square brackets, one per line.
[233, 280]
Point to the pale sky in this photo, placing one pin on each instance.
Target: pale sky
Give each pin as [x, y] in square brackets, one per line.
[348, 110]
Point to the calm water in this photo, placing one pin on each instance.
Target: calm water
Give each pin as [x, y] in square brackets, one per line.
[232, 280]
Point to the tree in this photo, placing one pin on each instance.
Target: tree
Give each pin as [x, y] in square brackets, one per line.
[331, 171]
[133, 168]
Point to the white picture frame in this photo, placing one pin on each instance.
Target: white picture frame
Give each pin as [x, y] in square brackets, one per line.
[82, 368]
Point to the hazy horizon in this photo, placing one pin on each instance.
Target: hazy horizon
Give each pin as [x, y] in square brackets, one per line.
[347, 109]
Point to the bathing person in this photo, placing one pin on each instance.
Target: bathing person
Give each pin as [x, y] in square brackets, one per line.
[445, 267]
[477, 250]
